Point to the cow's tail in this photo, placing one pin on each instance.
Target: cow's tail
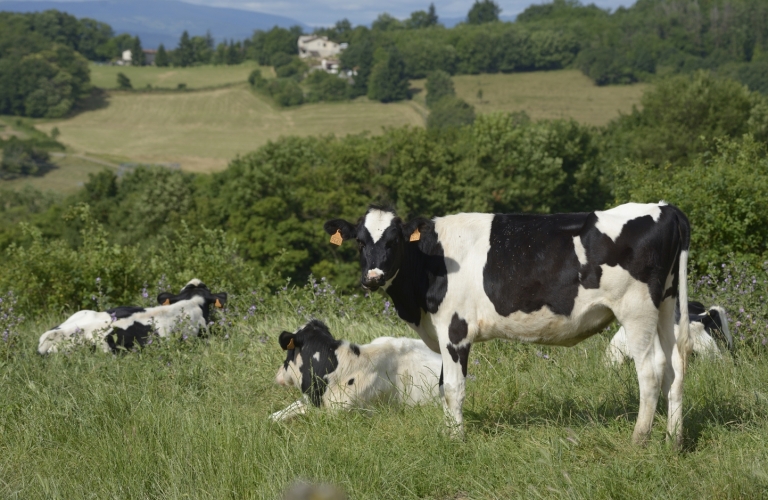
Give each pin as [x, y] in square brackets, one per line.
[684, 340]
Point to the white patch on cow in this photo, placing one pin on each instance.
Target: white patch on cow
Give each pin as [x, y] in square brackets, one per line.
[375, 273]
[377, 221]
[193, 282]
[290, 375]
[316, 356]
[611, 222]
[703, 345]
[725, 329]
[581, 252]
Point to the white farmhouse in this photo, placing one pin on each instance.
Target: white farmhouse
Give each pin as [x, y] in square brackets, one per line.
[319, 47]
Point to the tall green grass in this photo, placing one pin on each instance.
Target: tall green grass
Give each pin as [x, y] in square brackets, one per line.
[189, 420]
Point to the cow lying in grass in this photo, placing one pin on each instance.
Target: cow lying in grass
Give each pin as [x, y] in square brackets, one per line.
[338, 375]
[708, 328]
[126, 326]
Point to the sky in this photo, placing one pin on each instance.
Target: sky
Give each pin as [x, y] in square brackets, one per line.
[327, 12]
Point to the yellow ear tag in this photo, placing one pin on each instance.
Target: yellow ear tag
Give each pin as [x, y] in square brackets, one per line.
[218, 304]
[416, 235]
[291, 346]
[336, 239]
[167, 302]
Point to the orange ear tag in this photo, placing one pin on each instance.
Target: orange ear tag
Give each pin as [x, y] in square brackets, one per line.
[336, 239]
[218, 304]
[291, 346]
[167, 302]
[416, 235]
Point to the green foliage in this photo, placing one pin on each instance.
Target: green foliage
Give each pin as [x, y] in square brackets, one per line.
[123, 82]
[388, 81]
[438, 85]
[256, 80]
[21, 158]
[450, 111]
[288, 66]
[359, 57]
[284, 91]
[265, 44]
[724, 194]
[681, 116]
[755, 76]
[385, 22]
[161, 57]
[327, 87]
[485, 11]
[422, 19]
[184, 55]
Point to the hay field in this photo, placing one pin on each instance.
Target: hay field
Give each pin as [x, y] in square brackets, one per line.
[67, 176]
[194, 77]
[545, 95]
[202, 131]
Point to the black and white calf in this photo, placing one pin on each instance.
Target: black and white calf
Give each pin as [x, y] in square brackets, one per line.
[708, 328]
[548, 279]
[128, 326]
[338, 375]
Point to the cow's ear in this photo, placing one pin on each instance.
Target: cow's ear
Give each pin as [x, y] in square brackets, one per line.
[413, 228]
[220, 299]
[287, 341]
[164, 299]
[339, 228]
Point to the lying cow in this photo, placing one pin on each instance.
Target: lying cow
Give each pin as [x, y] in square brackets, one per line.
[338, 375]
[127, 326]
[548, 279]
[708, 328]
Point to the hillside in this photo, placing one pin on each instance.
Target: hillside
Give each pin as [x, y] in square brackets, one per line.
[163, 21]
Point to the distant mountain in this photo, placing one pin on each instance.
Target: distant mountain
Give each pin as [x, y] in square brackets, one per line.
[163, 21]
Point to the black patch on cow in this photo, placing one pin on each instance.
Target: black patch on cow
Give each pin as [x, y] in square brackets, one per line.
[422, 280]
[310, 340]
[189, 292]
[351, 381]
[136, 334]
[713, 325]
[124, 311]
[440, 383]
[532, 261]
[457, 330]
[460, 355]
[355, 349]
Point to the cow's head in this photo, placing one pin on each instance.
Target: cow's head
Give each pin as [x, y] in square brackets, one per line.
[310, 358]
[381, 238]
[195, 288]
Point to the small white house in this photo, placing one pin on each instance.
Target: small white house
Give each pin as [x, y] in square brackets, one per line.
[126, 59]
[319, 47]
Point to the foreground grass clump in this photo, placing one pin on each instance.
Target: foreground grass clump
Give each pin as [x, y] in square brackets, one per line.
[189, 419]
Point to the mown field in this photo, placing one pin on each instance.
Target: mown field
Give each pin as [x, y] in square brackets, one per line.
[203, 130]
[189, 420]
[194, 77]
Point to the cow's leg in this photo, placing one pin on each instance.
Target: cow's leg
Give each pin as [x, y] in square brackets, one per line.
[645, 348]
[455, 344]
[617, 350]
[672, 386]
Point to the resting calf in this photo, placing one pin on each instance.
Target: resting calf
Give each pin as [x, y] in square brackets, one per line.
[707, 328]
[126, 326]
[339, 375]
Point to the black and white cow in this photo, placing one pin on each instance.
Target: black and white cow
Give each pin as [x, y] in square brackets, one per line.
[708, 328]
[548, 279]
[124, 327]
[338, 375]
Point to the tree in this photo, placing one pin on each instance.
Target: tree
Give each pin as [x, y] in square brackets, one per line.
[388, 81]
[483, 12]
[439, 85]
[185, 53]
[123, 82]
[450, 111]
[421, 19]
[21, 158]
[161, 58]
[137, 52]
[386, 22]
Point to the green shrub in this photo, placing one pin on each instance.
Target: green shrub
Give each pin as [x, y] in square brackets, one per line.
[450, 111]
[21, 158]
[388, 81]
[438, 85]
[123, 82]
[327, 87]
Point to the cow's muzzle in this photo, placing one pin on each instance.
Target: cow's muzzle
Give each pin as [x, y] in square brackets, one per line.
[373, 279]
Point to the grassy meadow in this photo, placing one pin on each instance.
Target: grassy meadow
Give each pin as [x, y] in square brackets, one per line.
[545, 95]
[203, 130]
[194, 77]
[189, 420]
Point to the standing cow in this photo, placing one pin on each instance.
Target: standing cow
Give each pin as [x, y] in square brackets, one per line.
[548, 279]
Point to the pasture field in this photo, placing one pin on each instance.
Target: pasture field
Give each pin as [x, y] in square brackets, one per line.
[195, 77]
[189, 420]
[546, 95]
[202, 131]
[67, 176]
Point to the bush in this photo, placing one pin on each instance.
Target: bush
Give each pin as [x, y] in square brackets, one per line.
[755, 76]
[388, 81]
[450, 111]
[256, 80]
[439, 85]
[285, 91]
[22, 158]
[123, 82]
[327, 87]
